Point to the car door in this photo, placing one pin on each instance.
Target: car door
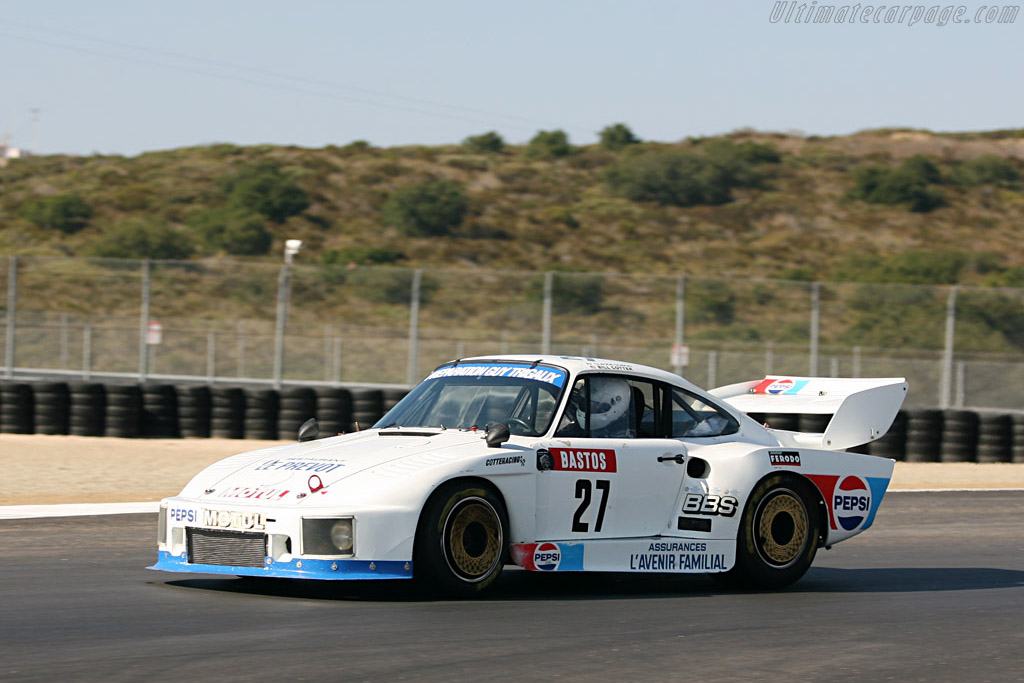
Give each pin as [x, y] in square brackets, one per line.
[610, 473]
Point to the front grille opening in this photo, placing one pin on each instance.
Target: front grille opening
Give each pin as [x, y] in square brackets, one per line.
[223, 547]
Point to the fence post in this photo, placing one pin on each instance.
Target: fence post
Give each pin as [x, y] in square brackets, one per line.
[12, 304]
[946, 383]
[144, 323]
[769, 358]
[856, 362]
[87, 351]
[815, 324]
[677, 367]
[712, 369]
[412, 371]
[961, 383]
[211, 355]
[282, 317]
[545, 338]
[63, 341]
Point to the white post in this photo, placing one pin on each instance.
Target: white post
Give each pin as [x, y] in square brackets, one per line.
[412, 370]
[680, 322]
[961, 383]
[856, 362]
[211, 355]
[87, 351]
[282, 317]
[712, 369]
[946, 383]
[64, 341]
[545, 339]
[815, 323]
[144, 322]
[12, 305]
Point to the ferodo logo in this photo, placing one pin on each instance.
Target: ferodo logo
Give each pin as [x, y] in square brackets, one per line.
[577, 460]
[851, 502]
[547, 557]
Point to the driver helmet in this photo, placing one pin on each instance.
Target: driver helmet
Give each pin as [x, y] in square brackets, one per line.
[609, 400]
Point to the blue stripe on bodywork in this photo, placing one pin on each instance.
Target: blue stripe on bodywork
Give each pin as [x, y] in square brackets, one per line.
[572, 557]
[878, 487]
[310, 569]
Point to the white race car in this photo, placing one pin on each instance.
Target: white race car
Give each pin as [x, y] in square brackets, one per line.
[553, 463]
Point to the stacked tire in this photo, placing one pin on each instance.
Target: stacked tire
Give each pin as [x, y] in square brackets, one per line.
[1017, 447]
[17, 408]
[194, 410]
[995, 438]
[959, 436]
[298, 404]
[159, 417]
[53, 407]
[333, 410]
[124, 410]
[894, 443]
[227, 413]
[88, 411]
[367, 407]
[924, 435]
[261, 413]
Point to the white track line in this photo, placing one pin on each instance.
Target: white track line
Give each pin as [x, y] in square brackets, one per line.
[92, 509]
[75, 510]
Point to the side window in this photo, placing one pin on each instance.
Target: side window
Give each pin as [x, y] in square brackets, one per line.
[693, 417]
[611, 407]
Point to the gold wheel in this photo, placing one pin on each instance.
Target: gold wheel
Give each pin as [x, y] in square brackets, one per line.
[782, 525]
[472, 539]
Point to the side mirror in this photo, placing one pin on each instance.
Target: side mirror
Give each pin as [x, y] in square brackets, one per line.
[497, 434]
[309, 430]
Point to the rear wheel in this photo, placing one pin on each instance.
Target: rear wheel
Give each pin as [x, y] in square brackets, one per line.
[778, 535]
[461, 540]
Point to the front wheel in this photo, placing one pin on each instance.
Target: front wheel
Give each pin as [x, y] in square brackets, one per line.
[461, 540]
[778, 534]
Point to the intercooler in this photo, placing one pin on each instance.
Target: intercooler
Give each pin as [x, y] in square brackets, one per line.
[223, 547]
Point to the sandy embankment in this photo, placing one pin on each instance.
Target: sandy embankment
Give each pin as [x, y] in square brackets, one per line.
[40, 469]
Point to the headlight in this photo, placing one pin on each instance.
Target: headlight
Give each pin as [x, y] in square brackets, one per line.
[341, 535]
[328, 536]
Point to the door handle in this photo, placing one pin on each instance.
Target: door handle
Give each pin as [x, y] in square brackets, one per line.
[678, 458]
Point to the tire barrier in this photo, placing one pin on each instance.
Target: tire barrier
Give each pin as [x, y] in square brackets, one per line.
[298, 404]
[17, 408]
[166, 411]
[959, 436]
[124, 410]
[159, 418]
[924, 435]
[333, 410]
[194, 410]
[894, 443]
[88, 413]
[995, 438]
[367, 407]
[261, 413]
[53, 407]
[227, 413]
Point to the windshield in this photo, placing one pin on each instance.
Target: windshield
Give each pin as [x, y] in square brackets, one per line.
[476, 394]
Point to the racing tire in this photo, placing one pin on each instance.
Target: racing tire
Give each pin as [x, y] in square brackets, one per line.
[461, 540]
[778, 535]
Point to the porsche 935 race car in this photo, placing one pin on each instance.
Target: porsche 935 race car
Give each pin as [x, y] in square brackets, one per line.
[554, 464]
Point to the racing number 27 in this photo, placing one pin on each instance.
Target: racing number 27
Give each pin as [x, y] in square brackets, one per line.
[584, 490]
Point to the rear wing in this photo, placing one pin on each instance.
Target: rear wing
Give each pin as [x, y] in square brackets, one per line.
[862, 409]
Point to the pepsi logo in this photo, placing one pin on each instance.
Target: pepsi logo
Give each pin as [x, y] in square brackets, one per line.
[547, 556]
[851, 502]
[779, 386]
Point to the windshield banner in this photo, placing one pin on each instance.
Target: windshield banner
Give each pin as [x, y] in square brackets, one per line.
[547, 375]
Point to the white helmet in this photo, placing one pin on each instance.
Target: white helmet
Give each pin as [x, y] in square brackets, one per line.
[609, 400]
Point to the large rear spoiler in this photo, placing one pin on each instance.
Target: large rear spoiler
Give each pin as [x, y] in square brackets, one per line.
[862, 409]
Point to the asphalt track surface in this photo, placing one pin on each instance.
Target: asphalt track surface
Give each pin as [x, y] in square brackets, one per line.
[934, 592]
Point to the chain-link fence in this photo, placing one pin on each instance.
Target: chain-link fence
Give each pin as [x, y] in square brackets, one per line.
[223, 321]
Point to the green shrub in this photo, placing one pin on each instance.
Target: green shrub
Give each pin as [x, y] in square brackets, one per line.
[68, 213]
[428, 209]
[264, 189]
[617, 136]
[710, 301]
[389, 286]
[907, 184]
[142, 238]
[548, 144]
[919, 266]
[234, 230]
[988, 169]
[571, 293]
[489, 142]
[671, 177]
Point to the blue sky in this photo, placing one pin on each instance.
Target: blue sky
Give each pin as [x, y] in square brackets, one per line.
[124, 77]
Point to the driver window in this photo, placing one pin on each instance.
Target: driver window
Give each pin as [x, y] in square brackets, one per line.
[610, 407]
[693, 417]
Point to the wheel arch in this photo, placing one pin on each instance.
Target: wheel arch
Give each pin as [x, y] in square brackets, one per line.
[818, 501]
[468, 481]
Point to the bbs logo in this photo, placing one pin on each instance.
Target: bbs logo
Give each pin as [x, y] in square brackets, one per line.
[710, 504]
[547, 557]
[851, 502]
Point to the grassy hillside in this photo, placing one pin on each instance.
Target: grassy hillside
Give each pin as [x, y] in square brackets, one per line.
[889, 205]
